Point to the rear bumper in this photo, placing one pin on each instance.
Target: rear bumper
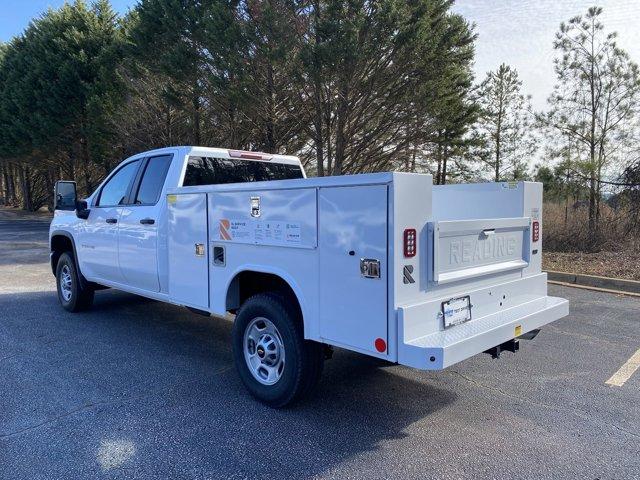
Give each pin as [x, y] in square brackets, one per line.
[444, 348]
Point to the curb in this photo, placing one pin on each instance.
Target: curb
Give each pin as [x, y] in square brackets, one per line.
[613, 285]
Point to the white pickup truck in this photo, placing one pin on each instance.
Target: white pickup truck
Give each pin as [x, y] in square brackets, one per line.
[384, 264]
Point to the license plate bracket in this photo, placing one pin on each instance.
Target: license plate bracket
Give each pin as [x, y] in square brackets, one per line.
[456, 311]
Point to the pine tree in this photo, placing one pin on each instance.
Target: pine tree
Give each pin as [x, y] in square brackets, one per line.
[504, 127]
[59, 86]
[594, 100]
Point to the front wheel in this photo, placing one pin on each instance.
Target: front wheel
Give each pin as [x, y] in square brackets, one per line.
[274, 361]
[71, 295]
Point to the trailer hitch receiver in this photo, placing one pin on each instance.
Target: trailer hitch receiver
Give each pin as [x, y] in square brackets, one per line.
[512, 346]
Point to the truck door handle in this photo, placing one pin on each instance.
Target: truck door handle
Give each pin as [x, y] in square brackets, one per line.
[147, 221]
[111, 220]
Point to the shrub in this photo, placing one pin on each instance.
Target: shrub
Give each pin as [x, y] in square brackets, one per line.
[567, 229]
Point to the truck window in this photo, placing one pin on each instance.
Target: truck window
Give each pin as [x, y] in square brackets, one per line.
[153, 180]
[215, 171]
[114, 191]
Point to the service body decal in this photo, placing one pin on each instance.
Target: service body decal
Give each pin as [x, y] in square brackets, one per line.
[260, 232]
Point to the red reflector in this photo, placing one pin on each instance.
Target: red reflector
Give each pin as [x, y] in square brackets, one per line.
[381, 345]
[249, 155]
[535, 231]
[410, 238]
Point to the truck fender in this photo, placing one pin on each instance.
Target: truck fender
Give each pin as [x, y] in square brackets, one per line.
[282, 274]
[64, 233]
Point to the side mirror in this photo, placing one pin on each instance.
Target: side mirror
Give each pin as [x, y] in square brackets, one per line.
[65, 196]
[82, 209]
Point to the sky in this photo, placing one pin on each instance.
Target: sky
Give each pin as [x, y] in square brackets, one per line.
[521, 33]
[15, 15]
[517, 32]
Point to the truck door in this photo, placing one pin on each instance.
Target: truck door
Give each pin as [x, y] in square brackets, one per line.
[352, 227]
[139, 224]
[98, 237]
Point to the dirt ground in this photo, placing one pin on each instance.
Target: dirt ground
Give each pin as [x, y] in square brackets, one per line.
[12, 213]
[605, 264]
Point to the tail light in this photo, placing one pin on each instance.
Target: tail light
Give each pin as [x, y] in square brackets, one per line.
[535, 231]
[410, 238]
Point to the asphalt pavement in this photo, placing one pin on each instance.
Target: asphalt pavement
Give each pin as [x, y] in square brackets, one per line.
[138, 389]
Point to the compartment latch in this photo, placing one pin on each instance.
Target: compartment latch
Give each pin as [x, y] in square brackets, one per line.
[370, 268]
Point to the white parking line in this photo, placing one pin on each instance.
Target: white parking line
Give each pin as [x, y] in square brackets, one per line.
[625, 371]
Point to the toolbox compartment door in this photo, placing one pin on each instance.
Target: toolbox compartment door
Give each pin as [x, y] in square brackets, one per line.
[464, 249]
[352, 226]
[188, 253]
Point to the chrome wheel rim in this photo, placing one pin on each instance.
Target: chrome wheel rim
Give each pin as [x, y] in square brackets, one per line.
[264, 351]
[65, 283]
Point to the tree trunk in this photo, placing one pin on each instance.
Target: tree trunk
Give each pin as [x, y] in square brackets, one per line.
[593, 227]
[445, 152]
[598, 196]
[233, 139]
[498, 141]
[84, 154]
[592, 205]
[413, 161]
[567, 193]
[327, 144]
[317, 96]
[168, 126]
[599, 182]
[270, 128]
[439, 160]
[51, 180]
[498, 155]
[4, 193]
[342, 114]
[23, 174]
[319, 141]
[196, 118]
[10, 185]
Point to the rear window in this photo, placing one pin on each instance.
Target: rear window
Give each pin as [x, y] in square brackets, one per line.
[215, 171]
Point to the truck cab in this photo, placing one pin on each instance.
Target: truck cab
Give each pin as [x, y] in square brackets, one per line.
[383, 264]
[120, 237]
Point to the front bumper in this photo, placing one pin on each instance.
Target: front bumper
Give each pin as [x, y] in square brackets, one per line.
[444, 348]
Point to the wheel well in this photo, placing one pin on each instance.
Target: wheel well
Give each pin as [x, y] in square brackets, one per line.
[59, 245]
[248, 283]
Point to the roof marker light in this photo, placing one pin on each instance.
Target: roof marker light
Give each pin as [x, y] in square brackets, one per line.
[249, 155]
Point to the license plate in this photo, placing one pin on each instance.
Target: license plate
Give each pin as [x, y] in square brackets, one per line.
[456, 311]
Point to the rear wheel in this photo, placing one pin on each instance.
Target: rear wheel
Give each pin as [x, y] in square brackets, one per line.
[71, 295]
[276, 364]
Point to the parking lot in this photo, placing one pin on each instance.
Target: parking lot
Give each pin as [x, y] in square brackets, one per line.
[138, 389]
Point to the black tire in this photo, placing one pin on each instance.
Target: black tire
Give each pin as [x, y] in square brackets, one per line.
[304, 359]
[73, 298]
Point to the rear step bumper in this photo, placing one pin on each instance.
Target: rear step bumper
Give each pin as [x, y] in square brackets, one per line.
[447, 347]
